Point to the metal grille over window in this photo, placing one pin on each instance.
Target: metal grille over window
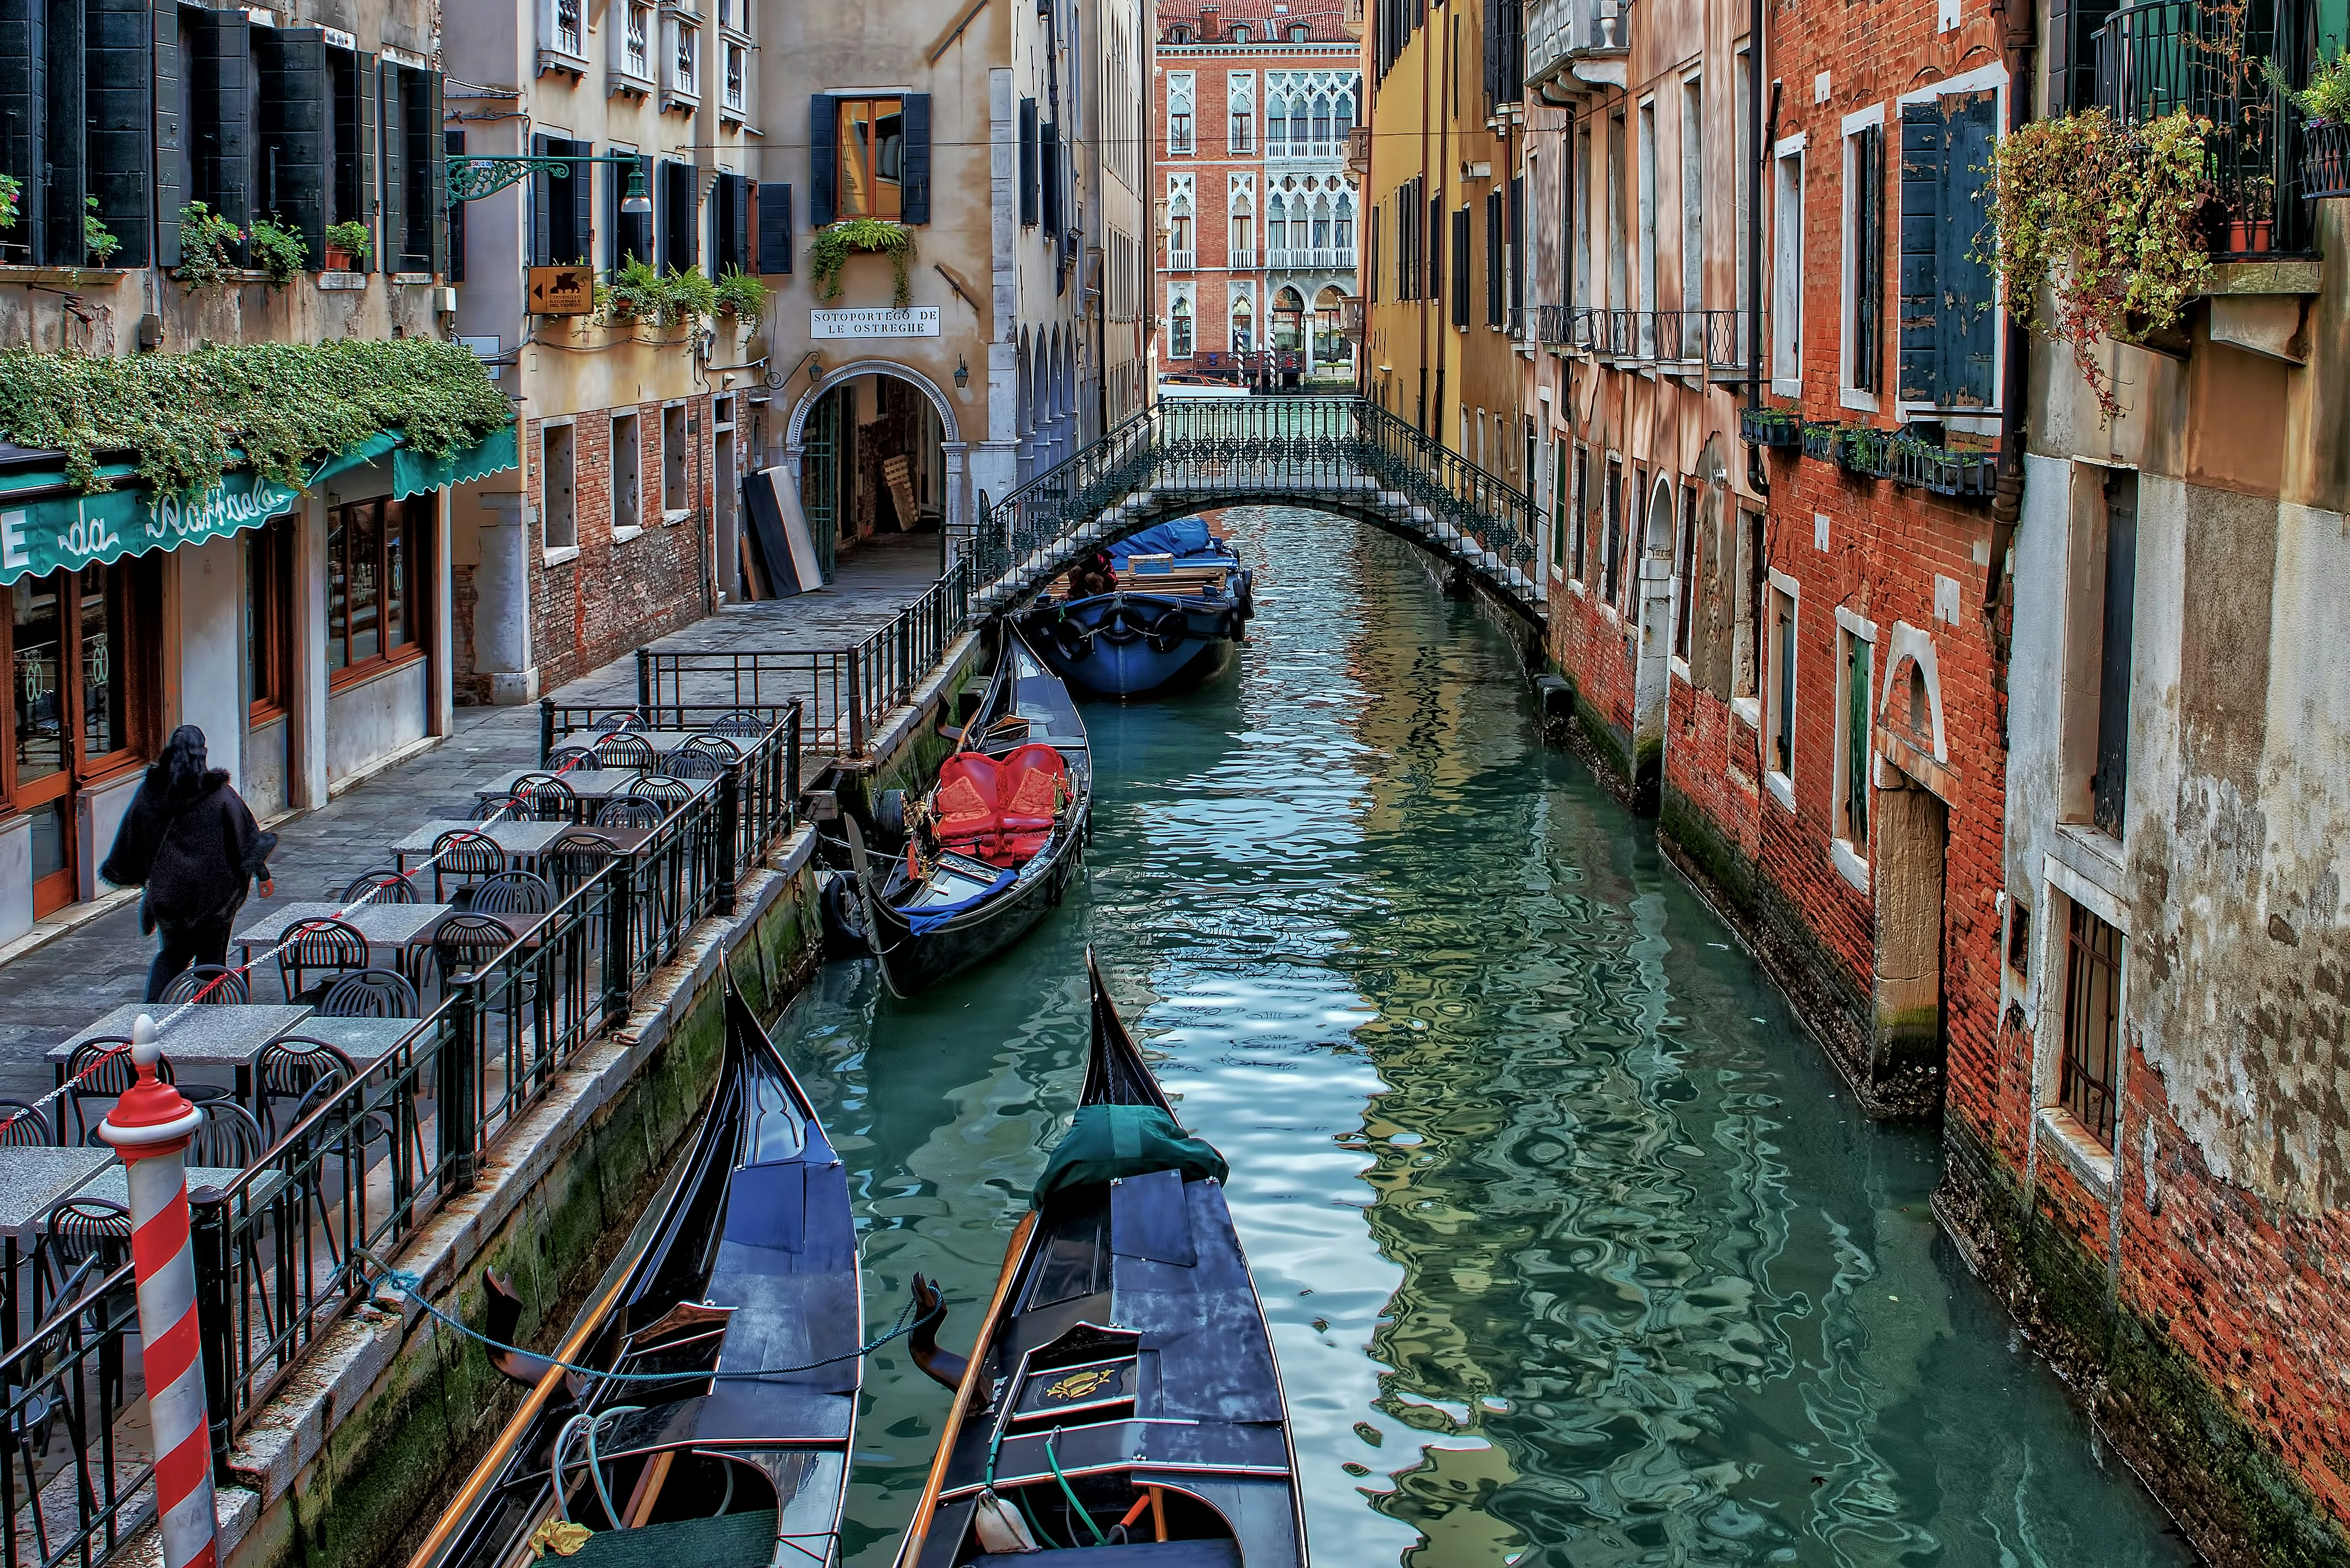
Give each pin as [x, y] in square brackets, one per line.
[2093, 972]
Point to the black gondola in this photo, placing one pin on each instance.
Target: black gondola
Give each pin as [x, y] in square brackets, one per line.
[751, 1269]
[1123, 1400]
[994, 843]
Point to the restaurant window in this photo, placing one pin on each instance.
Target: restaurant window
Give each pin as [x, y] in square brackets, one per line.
[374, 560]
[871, 171]
[2089, 1076]
[82, 710]
[268, 618]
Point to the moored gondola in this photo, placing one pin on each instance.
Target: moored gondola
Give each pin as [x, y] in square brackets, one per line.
[714, 1431]
[993, 843]
[1158, 610]
[1122, 1399]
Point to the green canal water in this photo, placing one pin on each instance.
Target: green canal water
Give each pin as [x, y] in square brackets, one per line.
[1575, 1249]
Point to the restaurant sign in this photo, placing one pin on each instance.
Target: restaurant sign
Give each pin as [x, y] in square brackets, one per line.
[66, 532]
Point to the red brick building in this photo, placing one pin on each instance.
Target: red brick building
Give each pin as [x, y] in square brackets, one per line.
[1251, 104]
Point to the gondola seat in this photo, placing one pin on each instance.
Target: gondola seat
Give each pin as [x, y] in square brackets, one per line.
[1000, 811]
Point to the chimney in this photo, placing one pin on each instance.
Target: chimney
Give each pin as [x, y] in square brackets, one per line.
[1209, 16]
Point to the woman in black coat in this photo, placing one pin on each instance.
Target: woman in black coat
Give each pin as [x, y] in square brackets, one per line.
[191, 842]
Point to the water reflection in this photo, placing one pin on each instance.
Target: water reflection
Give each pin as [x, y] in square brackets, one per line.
[1572, 1252]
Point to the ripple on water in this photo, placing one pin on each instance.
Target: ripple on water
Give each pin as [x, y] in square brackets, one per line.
[1570, 1257]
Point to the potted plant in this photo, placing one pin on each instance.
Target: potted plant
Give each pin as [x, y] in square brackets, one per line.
[741, 296]
[830, 250]
[96, 237]
[347, 247]
[204, 240]
[11, 191]
[279, 250]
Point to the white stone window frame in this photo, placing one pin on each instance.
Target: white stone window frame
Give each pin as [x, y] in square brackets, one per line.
[1240, 103]
[1851, 860]
[2052, 1126]
[680, 59]
[1786, 344]
[1183, 98]
[561, 48]
[1994, 79]
[551, 552]
[1859, 121]
[628, 75]
[1781, 785]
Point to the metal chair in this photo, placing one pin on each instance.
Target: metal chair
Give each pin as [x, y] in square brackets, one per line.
[325, 948]
[24, 1125]
[668, 792]
[630, 811]
[569, 756]
[744, 723]
[464, 857]
[685, 763]
[370, 994]
[546, 797]
[381, 887]
[628, 719]
[572, 859]
[210, 985]
[466, 942]
[290, 1069]
[626, 751]
[511, 893]
[227, 1138]
[102, 1069]
[501, 809]
[74, 1232]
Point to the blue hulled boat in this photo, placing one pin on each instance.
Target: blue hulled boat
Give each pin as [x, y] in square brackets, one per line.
[1158, 610]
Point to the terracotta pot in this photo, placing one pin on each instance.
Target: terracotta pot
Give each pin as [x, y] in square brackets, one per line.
[340, 260]
[2251, 236]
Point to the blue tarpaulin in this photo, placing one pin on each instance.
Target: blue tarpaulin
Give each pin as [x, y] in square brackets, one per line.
[1184, 536]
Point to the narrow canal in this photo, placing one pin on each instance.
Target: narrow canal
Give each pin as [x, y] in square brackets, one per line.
[1575, 1249]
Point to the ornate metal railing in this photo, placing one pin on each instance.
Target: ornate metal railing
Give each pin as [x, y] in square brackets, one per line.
[1256, 448]
[70, 1493]
[2165, 56]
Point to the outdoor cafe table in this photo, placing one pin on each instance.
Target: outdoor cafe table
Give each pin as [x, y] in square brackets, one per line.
[663, 742]
[523, 841]
[32, 1182]
[402, 928]
[364, 1040]
[205, 1036]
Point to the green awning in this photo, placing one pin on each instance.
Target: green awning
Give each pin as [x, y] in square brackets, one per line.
[47, 526]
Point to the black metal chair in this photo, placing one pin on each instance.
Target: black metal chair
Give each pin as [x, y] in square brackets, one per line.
[501, 809]
[669, 793]
[318, 948]
[102, 1069]
[626, 751]
[547, 798]
[689, 762]
[372, 993]
[511, 893]
[464, 857]
[381, 887]
[82, 1238]
[572, 859]
[209, 985]
[630, 811]
[565, 757]
[744, 723]
[464, 942]
[290, 1068]
[626, 720]
[228, 1138]
[24, 1125]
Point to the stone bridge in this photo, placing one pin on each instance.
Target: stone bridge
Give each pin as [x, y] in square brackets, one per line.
[1344, 455]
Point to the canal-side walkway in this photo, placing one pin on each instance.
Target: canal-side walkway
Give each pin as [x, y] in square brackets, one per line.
[49, 992]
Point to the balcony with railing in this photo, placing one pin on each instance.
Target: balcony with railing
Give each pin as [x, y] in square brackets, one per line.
[1561, 33]
[1240, 258]
[1310, 258]
[1181, 260]
[2204, 58]
[1685, 341]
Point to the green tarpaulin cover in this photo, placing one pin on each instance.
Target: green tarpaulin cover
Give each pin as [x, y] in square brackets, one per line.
[1106, 1142]
[46, 526]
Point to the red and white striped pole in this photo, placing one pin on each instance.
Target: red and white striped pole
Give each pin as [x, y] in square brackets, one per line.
[149, 1127]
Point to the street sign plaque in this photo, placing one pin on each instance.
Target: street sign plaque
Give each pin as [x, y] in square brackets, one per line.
[562, 290]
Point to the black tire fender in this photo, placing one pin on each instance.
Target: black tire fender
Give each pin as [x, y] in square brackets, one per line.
[890, 816]
[1168, 632]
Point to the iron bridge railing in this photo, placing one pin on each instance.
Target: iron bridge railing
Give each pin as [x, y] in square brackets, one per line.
[1196, 448]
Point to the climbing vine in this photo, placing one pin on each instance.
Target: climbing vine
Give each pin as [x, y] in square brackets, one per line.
[830, 250]
[285, 405]
[2106, 217]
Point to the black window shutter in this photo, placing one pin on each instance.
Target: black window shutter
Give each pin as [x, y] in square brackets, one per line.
[1868, 257]
[775, 228]
[1518, 245]
[221, 149]
[1435, 247]
[824, 151]
[914, 167]
[1969, 327]
[454, 142]
[577, 241]
[121, 137]
[1049, 147]
[367, 209]
[738, 224]
[680, 251]
[295, 111]
[542, 204]
[1028, 163]
[393, 228]
[64, 105]
[435, 159]
[1924, 145]
[1460, 263]
[24, 142]
[1492, 258]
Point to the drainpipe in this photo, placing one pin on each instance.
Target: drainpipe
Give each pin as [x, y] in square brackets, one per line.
[2007, 500]
[1755, 130]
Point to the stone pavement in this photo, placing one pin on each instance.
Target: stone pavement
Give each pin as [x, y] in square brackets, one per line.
[49, 992]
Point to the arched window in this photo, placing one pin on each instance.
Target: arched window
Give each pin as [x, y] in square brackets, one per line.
[1240, 34]
[1179, 328]
[1299, 127]
[1345, 115]
[1179, 34]
[1298, 32]
[1276, 226]
[1345, 228]
[1242, 227]
[1179, 230]
[1321, 227]
[1244, 326]
[1322, 119]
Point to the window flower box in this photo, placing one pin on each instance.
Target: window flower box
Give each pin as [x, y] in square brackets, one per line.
[1781, 428]
[1820, 439]
[1942, 471]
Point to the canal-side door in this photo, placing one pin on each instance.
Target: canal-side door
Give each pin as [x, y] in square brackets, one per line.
[1649, 678]
[1912, 827]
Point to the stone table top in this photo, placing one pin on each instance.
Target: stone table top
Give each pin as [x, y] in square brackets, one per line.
[383, 925]
[202, 1036]
[516, 838]
[34, 1180]
[363, 1039]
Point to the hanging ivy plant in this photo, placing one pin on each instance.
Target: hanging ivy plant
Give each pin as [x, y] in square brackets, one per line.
[2107, 219]
[286, 405]
[831, 250]
[205, 239]
[280, 251]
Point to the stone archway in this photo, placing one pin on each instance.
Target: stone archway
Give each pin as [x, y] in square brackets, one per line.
[957, 511]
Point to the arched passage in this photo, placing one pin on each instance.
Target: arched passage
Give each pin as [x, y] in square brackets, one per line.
[888, 410]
